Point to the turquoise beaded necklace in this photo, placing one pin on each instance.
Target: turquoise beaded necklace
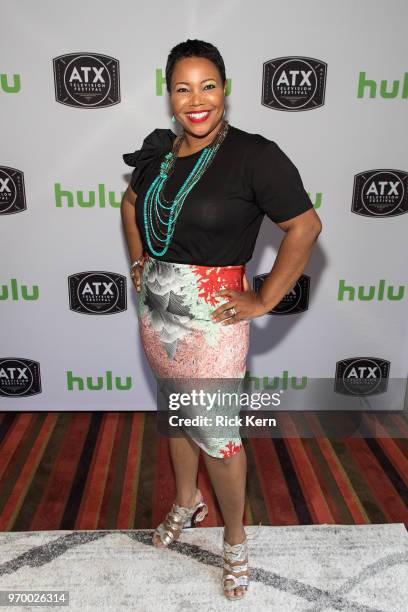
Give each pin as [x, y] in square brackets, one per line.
[155, 204]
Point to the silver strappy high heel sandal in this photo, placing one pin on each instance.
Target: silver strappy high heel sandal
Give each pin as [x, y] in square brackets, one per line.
[179, 518]
[236, 562]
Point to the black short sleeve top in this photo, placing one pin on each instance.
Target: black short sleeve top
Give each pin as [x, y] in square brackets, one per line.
[218, 225]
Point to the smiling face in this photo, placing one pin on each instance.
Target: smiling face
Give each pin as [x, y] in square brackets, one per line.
[197, 96]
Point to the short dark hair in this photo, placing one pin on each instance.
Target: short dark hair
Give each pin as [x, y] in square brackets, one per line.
[194, 48]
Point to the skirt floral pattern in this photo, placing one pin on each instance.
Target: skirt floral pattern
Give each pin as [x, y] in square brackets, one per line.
[180, 339]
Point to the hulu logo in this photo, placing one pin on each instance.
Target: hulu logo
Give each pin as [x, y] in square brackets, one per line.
[161, 83]
[318, 201]
[277, 382]
[7, 87]
[16, 292]
[385, 90]
[370, 293]
[92, 198]
[99, 383]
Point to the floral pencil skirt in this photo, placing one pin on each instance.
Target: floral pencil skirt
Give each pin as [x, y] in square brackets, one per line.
[186, 349]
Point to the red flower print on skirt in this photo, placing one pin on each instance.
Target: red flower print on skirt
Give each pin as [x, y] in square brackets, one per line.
[212, 279]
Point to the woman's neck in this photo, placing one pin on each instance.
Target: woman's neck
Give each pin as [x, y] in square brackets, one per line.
[191, 144]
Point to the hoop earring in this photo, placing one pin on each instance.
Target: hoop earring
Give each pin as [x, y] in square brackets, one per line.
[173, 119]
[223, 114]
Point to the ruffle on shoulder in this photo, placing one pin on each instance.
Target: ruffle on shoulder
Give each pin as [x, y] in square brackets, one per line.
[155, 144]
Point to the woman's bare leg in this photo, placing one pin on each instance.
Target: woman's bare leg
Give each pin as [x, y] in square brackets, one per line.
[184, 456]
[228, 478]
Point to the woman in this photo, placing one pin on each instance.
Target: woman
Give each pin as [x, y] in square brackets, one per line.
[199, 200]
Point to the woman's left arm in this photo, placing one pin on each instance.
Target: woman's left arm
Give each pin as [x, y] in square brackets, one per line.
[293, 254]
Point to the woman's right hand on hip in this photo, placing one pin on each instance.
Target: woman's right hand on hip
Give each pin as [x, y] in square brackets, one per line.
[137, 277]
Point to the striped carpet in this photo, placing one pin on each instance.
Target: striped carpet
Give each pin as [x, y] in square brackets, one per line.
[99, 470]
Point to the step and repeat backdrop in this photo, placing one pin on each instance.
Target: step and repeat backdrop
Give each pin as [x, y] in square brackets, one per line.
[82, 83]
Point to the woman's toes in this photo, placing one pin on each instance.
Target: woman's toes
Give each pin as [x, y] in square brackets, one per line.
[157, 542]
[229, 593]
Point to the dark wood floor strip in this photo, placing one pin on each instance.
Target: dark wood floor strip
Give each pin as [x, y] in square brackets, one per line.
[138, 486]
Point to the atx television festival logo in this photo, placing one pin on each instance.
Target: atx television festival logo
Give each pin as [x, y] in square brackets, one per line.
[293, 83]
[380, 193]
[19, 377]
[12, 192]
[86, 80]
[296, 300]
[362, 376]
[97, 293]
